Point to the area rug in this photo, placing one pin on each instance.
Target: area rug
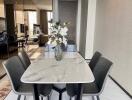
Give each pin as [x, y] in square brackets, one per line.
[5, 86]
[5, 89]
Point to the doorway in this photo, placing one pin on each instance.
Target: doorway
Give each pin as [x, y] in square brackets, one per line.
[49, 18]
[32, 19]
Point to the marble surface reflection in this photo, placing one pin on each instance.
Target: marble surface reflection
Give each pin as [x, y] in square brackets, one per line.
[71, 69]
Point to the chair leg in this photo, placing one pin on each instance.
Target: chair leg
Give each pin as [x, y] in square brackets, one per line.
[98, 98]
[41, 98]
[19, 97]
[48, 97]
[93, 98]
[24, 97]
[70, 98]
[60, 96]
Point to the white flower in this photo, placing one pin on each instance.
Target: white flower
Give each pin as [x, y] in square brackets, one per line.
[53, 24]
[59, 27]
[64, 41]
[55, 31]
[49, 42]
[57, 34]
[60, 39]
[64, 31]
[54, 43]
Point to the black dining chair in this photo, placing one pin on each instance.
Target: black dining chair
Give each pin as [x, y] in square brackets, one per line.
[72, 88]
[71, 46]
[95, 88]
[94, 60]
[14, 69]
[44, 90]
[24, 58]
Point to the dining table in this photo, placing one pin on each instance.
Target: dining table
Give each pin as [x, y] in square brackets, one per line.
[72, 69]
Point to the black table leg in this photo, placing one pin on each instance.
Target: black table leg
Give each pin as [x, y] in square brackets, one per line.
[60, 96]
[80, 91]
[35, 92]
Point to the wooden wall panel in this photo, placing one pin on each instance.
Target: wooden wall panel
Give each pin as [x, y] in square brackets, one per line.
[43, 21]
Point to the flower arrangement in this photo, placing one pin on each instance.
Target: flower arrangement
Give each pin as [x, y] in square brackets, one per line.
[58, 33]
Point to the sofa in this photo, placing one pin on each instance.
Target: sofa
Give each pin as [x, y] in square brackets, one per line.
[8, 45]
[42, 40]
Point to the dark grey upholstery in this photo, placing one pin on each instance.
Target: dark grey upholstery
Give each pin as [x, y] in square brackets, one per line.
[72, 89]
[90, 87]
[24, 58]
[94, 60]
[25, 89]
[44, 90]
[100, 72]
[15, 70]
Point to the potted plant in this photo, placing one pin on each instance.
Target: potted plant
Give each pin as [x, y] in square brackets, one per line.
[57, 38]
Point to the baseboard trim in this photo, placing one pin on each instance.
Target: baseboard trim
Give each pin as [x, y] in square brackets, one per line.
[121, 87]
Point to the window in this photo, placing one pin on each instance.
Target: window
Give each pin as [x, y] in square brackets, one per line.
[49, 17]
[32, 18]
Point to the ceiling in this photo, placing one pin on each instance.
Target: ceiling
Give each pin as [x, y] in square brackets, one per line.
[33, 4]
[24, 4]
[43, 4]
[68, 0]
[1, 1]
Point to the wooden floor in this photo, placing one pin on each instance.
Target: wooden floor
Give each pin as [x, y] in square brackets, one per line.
[2, 71]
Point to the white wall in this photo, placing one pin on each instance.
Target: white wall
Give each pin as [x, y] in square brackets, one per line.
[113, 37]
[90, 29]
[78, 25]
[55, 10]
[19, 20]
[20, 17]
[83, 27]
[68, 13]
[85, 34]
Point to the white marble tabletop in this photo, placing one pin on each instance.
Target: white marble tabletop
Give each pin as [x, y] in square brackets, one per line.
[71, 69]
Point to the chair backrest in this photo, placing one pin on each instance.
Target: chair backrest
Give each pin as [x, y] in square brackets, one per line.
[15, 70]
[24, 58]
[94, 60]
[71, 48]
[101, 71]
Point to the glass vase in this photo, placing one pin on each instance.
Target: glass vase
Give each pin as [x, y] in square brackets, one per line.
[58, 52]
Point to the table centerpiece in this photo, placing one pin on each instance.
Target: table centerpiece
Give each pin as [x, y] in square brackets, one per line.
[58, 38]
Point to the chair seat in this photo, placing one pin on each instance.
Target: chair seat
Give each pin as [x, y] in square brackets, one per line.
[90, 88]
[72, 89]
[25, 89]
[45, 90]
